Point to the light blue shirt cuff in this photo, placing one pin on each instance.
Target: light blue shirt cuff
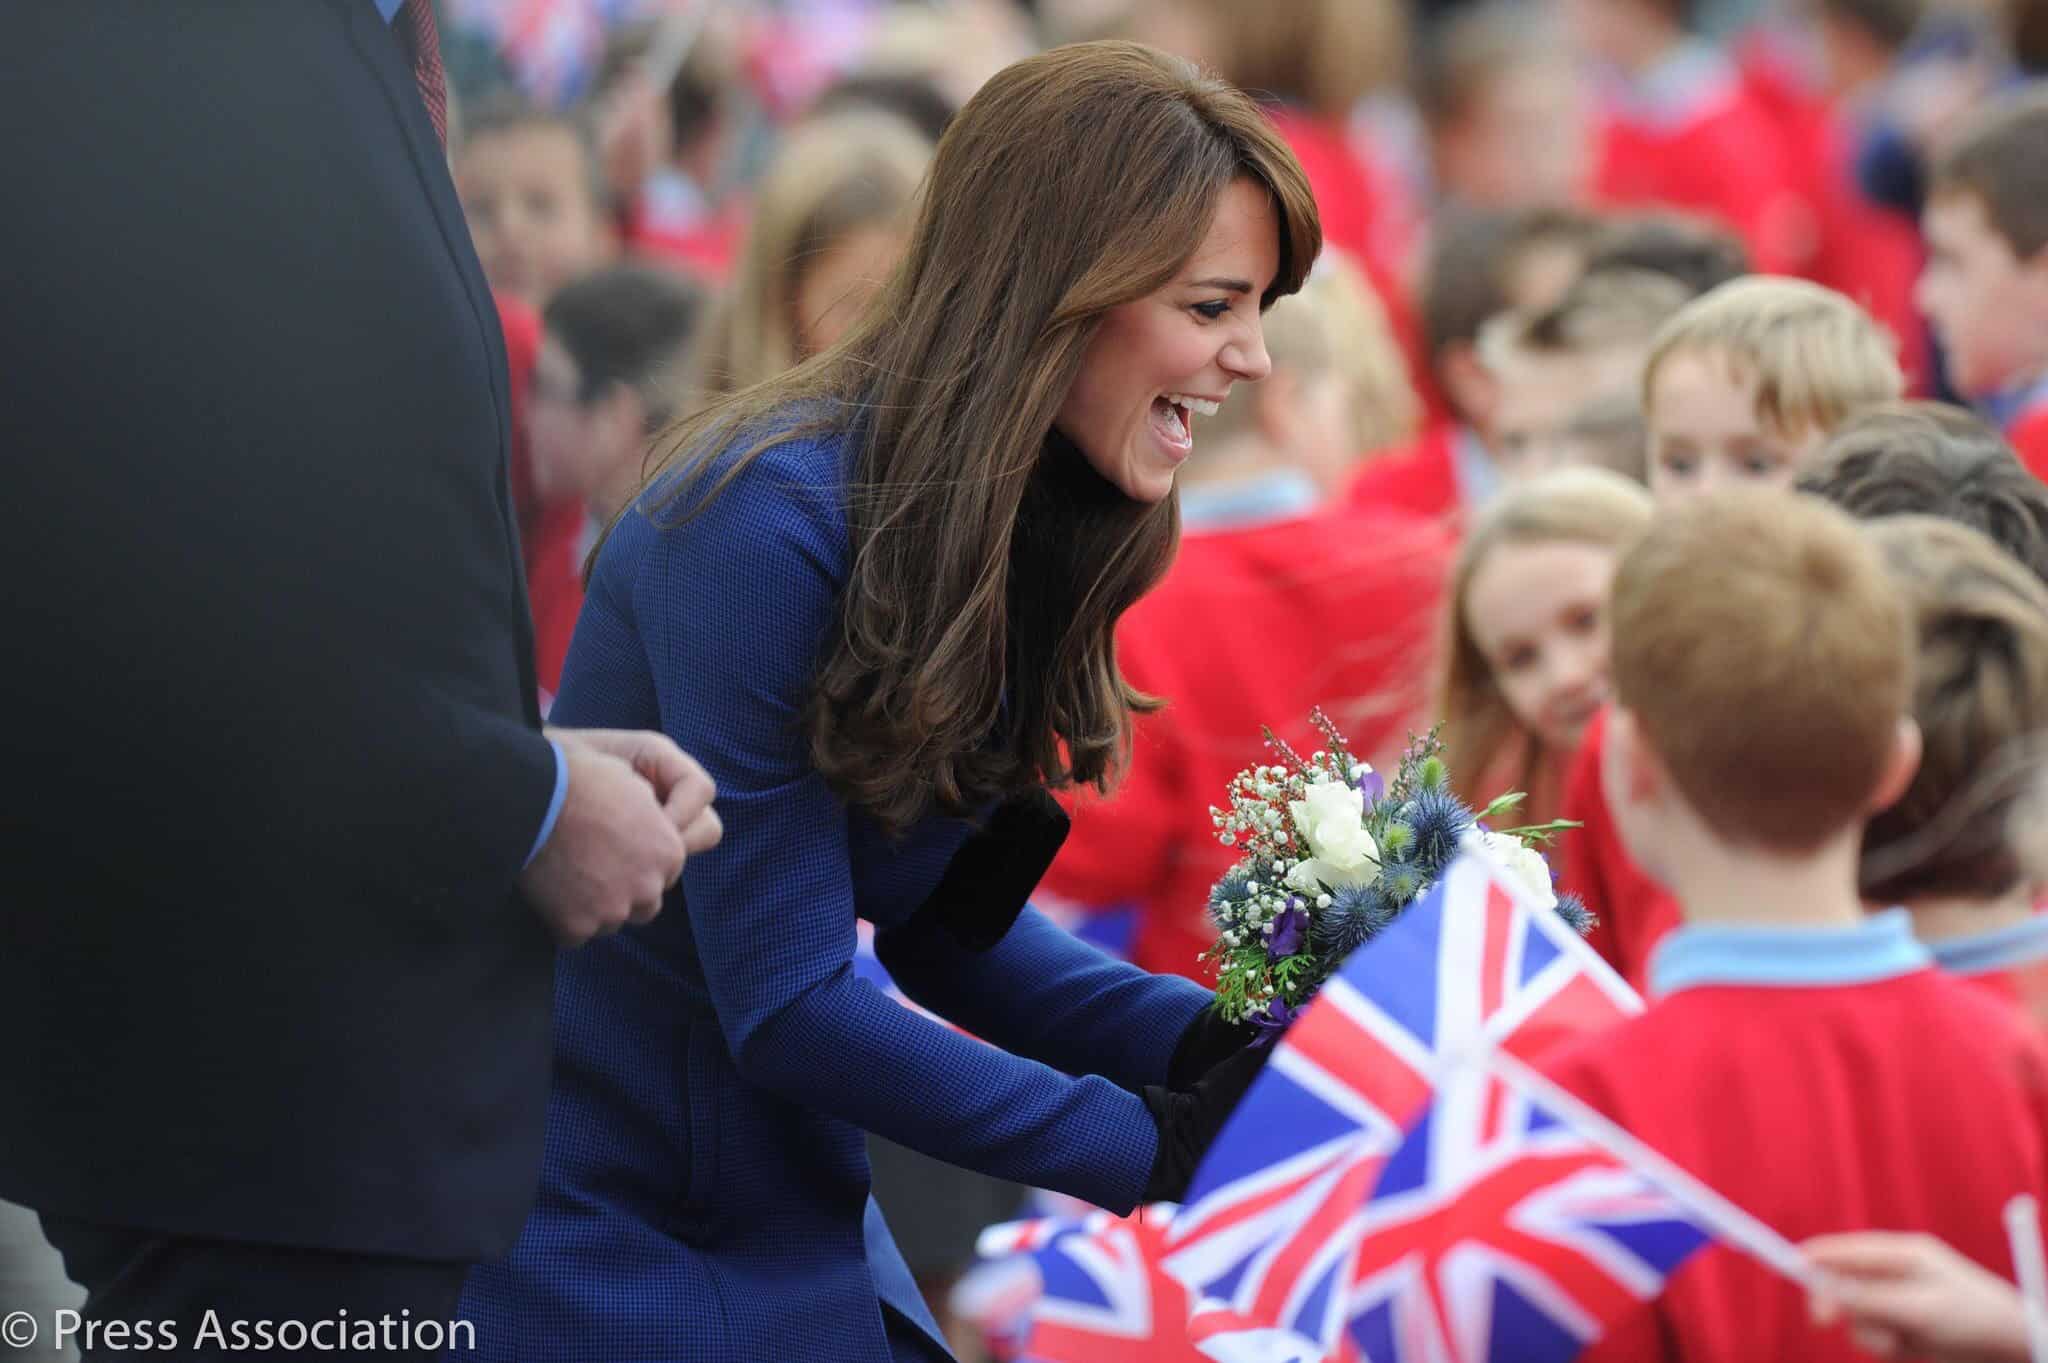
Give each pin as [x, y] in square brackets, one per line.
[547, 825]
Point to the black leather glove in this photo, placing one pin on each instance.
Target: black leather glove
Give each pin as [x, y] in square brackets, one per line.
[1189, 1122]
[1207, 1042]
[994, 872]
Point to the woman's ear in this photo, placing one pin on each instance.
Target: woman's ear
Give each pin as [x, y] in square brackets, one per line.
[1899, 768]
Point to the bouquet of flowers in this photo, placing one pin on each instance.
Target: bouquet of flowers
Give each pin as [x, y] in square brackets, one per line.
[1331, 854]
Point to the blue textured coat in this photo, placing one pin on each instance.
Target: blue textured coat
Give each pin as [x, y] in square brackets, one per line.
[704, 1195]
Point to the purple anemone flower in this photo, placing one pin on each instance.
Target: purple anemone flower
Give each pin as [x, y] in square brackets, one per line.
[1288, 930]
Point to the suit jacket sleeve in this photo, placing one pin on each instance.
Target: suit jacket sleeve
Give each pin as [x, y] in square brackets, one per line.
[1044, 993]
[732, 607]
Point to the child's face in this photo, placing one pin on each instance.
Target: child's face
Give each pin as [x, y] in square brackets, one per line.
[1705, 434]
[1537, 613]
[526, 193]
[1989, 307]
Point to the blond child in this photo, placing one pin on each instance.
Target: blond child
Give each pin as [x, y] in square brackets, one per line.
[1806, 1061]
[1525, 658]
[1744, 383]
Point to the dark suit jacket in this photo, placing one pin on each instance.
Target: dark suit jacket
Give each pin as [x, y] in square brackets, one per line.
[272, 764]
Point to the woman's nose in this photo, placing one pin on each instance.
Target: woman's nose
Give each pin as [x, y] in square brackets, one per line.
[1246, 357]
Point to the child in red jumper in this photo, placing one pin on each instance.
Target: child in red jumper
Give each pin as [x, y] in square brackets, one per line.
[1741, 388]
[1806, 1061]
[1985, 288]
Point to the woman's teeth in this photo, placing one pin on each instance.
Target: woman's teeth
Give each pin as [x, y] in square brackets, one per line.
[1199, 405]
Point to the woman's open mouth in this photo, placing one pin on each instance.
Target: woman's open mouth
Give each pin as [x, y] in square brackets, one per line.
[1173, 420]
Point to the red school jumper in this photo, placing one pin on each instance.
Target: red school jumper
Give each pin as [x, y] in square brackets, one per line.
[1823, 1080]
[1254, 625]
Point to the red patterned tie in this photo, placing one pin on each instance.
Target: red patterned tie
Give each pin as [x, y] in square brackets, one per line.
[416, 27]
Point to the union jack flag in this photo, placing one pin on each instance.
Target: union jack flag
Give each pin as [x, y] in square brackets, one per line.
[1100, 1295]
[1503, 1231]
[1268, 1239]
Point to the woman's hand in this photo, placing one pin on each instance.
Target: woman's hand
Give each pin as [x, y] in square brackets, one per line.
[1912, 1296]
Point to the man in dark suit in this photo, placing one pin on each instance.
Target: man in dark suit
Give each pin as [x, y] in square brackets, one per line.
[284, 852]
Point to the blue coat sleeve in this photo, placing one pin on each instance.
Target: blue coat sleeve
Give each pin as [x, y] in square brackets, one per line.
[1044, 993]
[732, 607]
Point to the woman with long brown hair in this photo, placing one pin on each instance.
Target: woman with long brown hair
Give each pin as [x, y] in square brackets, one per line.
[876, 597]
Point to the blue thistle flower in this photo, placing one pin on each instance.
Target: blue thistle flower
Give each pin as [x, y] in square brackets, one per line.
[1356, 915]
[1400, 882]
[1439, 819]
[1227, 898]
[1576, 915]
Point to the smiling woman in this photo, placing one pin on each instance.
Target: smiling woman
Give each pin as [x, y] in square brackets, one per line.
[876, 596]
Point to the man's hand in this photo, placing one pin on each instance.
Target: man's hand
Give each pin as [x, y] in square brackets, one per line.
[683, 787]
[635, 807]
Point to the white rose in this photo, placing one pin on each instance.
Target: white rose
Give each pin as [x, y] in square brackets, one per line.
[1331, 820]
[1524, 863]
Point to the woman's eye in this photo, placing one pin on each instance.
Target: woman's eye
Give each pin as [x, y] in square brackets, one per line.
[1678, 466]
[1213, 311]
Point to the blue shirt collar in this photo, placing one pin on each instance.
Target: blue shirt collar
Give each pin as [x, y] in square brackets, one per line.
[1245, 502]
[1981, 953]
[1880, 947]
[1478, 476]
[2004, 408]
[388, 8]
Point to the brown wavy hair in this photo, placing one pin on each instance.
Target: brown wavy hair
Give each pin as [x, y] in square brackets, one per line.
[974, 654]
